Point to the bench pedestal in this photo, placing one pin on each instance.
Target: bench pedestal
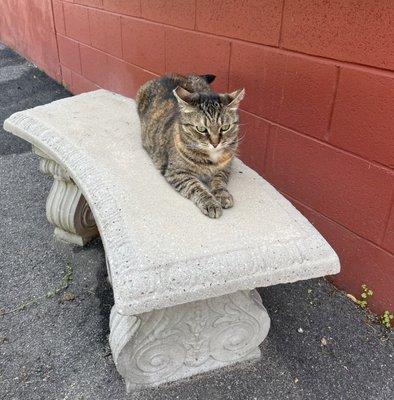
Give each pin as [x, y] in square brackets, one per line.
[66, 207]
[172, 343]
[177, 342]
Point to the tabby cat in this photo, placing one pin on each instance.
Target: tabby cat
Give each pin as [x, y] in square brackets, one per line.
[191, 134]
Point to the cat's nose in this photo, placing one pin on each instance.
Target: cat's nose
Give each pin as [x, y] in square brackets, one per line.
[215, 141]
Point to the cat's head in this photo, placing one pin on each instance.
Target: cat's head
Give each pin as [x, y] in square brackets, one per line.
[209, 121]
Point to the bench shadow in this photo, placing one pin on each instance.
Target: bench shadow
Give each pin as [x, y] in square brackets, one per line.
[103, 291]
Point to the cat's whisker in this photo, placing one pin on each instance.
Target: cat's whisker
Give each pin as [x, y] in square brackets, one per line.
[237, 140]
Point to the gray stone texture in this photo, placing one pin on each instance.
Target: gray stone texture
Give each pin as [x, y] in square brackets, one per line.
[188, 339]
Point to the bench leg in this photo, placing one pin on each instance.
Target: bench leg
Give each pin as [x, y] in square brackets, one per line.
[176, 342]
[66, 207]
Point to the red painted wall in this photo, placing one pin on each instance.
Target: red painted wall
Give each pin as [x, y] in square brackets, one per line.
[319, 110]
[28, 27]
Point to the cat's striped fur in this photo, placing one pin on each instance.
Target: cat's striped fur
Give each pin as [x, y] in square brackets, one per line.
[191, 134]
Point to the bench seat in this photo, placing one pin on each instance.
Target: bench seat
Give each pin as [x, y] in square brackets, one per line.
[161, 251]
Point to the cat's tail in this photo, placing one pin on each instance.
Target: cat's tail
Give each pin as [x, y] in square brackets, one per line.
[143, 97]
[208, 78]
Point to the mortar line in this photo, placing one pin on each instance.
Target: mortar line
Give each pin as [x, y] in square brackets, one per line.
[335, 222]
[229, 65]
[57, 44]
[386, 168]
[332, 106]
[281, 25]
[331, 61]
[386, 225]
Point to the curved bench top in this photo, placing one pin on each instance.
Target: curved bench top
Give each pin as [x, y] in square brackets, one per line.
[161, 249]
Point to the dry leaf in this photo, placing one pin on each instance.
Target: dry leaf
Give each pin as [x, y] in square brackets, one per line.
[67, 296]
[351, 297]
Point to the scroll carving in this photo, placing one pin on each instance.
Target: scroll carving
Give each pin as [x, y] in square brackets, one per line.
[66, 207]
[180, 341]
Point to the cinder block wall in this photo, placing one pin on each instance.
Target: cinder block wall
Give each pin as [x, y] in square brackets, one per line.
[28, 27]
[319, 112]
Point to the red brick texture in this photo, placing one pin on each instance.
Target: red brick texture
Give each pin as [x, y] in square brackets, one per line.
[359, 31]
[256, 21]
[317, 119]
[363, 118]
[144, 44]
[172, 12]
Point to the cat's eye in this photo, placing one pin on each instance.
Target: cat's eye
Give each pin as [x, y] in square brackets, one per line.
[201, 129]
[225, 128]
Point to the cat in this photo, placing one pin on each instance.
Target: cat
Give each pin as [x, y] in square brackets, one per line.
[191, 134]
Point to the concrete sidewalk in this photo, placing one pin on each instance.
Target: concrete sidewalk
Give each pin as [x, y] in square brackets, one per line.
[320, 345]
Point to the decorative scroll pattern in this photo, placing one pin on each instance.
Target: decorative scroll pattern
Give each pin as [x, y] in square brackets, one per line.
[191, 338]
[66, 207]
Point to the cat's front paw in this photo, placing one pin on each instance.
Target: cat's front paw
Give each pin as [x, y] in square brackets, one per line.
[211, 207]
[225, 198]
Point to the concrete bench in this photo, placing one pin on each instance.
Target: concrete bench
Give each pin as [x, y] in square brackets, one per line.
[184, 284]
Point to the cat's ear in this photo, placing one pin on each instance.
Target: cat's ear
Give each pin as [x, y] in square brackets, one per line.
[183, 97]
[235, 98]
